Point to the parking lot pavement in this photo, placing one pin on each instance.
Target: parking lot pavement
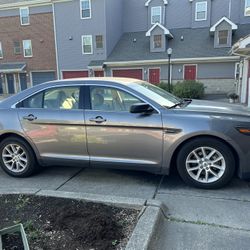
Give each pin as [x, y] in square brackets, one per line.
[207, 219]
[49, 178]
[187, 236]
[114, 182]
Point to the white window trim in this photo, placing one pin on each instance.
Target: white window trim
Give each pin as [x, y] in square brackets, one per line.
[245, 13]
[24, 48]
[90, 16]
[204, 19]
[156, 7]
[90, 53]
[24, 8]
[1, 49]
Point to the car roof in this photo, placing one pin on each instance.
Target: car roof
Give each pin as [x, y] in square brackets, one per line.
[85, 80]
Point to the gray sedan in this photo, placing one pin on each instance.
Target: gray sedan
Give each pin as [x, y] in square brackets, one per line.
[126, 124]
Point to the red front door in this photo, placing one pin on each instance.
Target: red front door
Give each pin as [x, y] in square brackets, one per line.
[128, 73]
[74, 74]
[99, 73]
[154, 76]
[190, 72]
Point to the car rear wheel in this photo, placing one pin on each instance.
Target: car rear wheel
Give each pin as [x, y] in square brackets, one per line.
[206, 163]
[17, 158]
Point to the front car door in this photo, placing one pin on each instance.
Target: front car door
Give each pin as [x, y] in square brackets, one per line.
[54, 120]
[117, 137]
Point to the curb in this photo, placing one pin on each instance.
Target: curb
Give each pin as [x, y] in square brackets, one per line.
[152, 212]
[145, 229]
[117, 201]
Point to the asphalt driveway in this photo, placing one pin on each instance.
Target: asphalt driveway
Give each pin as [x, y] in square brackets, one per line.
[211, 219]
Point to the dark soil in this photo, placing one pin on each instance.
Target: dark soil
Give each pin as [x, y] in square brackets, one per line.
[57, 224]
[12, 242]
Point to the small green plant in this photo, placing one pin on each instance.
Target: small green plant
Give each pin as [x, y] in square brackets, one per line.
[233, 96]
[17, 222]
[22, 201]
[114, 242]
[189, 89]
[32, 232]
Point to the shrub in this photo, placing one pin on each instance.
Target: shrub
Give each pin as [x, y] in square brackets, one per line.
[164, 85]
[189, 89]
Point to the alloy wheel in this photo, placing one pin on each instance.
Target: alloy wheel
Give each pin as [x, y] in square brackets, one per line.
[205, 164]
[15, 158]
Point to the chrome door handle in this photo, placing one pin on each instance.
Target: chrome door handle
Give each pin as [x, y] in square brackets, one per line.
[98, 119]
[30, 117]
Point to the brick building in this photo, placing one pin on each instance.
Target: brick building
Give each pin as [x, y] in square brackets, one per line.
[27, 45]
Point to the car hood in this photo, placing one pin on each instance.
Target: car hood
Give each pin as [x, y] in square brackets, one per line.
[217, 107]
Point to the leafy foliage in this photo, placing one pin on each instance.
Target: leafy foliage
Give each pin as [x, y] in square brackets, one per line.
[189, 89]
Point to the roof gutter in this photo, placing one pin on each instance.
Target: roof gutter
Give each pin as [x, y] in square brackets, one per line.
[175, 61]
[29, 3]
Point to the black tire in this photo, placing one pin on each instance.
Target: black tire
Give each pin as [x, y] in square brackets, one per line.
[31, 166]
[222, 148]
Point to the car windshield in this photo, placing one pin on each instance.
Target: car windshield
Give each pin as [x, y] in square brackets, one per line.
[157, 94]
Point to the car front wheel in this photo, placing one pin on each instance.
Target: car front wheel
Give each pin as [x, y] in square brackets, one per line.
[206, 163]
[16, 157]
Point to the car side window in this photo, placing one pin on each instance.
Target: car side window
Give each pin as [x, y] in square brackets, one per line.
[111, 99]
[35, 101]
[62, 98]
[55, 98]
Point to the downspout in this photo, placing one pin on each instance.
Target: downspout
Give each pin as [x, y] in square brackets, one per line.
[230, 9]
[55, 38]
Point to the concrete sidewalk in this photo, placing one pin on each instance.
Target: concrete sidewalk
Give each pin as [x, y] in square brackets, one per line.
[217, 219]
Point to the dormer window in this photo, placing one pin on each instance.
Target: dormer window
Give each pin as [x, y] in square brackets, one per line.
[247, 7]
[223, 31]
[201, 11]
[156, 14]
[223, 37]
[157, 41]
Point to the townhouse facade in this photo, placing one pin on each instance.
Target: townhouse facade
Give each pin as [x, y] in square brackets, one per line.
[27, 45]
[136, 34]
[131, 38]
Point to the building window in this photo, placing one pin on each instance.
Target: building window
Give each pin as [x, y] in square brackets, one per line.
[157, 41]
[27, 48]
[156, 15]
[85, 6]
[223, 37]
[87, 47]
[201, 11]
[99, 42]
[24, 16]
[17, 48]
[1, 50]
[247, 7]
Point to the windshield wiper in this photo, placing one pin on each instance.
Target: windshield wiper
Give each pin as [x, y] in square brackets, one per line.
[181, 103]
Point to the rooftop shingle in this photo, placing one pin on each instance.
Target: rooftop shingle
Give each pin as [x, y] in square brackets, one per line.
[196, 43]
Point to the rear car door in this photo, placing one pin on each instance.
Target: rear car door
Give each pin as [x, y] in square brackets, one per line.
[54, 120]
[117, 137]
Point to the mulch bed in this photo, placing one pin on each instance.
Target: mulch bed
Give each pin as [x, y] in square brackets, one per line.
[57, 223]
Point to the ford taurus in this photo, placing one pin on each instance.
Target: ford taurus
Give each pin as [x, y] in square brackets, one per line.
[126, 124]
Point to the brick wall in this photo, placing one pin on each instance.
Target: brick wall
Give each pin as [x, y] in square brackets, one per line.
[40, 32]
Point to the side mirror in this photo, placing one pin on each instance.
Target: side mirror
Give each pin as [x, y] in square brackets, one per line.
[140, 108]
